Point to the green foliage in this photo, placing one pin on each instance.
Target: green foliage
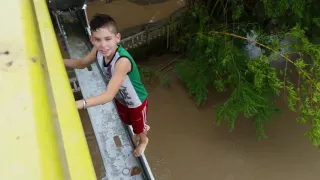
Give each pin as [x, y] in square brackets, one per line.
[215, 57]
[147, 74]
[239, 9]
[316, 21]
[192, 74]
[164, 80]
[279, 8]
[245, 99]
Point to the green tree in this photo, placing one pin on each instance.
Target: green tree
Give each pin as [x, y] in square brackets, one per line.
[213, 34]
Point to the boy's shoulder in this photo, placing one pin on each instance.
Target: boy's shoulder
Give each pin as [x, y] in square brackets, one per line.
[124, 53]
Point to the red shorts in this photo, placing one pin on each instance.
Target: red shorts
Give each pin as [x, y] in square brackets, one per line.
[137, 117]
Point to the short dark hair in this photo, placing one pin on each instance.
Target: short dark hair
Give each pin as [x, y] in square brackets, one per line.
[103, 20]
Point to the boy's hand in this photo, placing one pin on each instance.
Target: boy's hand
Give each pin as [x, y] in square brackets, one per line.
[122, 67]
[79, 104]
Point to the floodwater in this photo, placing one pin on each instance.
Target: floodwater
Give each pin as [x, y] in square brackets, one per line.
[185, 144]
[128, 14]
[93, 145]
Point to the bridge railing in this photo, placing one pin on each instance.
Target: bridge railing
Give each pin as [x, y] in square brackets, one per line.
[144, 37]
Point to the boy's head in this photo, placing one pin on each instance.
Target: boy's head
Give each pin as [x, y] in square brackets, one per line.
[104, 34]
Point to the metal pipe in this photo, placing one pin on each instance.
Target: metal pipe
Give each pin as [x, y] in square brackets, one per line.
[86, 16]
[62, 32]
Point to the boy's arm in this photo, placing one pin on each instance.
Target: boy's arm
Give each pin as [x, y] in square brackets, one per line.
[122, 67]
[81, 63]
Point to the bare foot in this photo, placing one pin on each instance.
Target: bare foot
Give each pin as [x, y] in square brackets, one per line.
[147, 128]
[140, 149]
[136, 139]
[143, 142]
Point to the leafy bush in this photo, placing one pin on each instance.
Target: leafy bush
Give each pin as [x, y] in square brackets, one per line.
[214, 45]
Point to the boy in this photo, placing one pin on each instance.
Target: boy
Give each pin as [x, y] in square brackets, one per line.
[124, 84]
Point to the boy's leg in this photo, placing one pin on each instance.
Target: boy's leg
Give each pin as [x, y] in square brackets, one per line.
[136, 137]
[123, 112]
[143, 142]
[138, 118]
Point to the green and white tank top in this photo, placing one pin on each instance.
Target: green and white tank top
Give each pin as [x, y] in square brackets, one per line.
[132, 92]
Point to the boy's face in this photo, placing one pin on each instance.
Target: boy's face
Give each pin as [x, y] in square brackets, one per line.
[105, 41]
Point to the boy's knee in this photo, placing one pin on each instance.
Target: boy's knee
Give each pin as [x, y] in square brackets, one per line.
[143, 138]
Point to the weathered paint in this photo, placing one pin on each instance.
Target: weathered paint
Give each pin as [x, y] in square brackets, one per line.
[34, 101]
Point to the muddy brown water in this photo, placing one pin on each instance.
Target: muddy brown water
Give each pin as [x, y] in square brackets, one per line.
[184, 142]
[128, 14]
